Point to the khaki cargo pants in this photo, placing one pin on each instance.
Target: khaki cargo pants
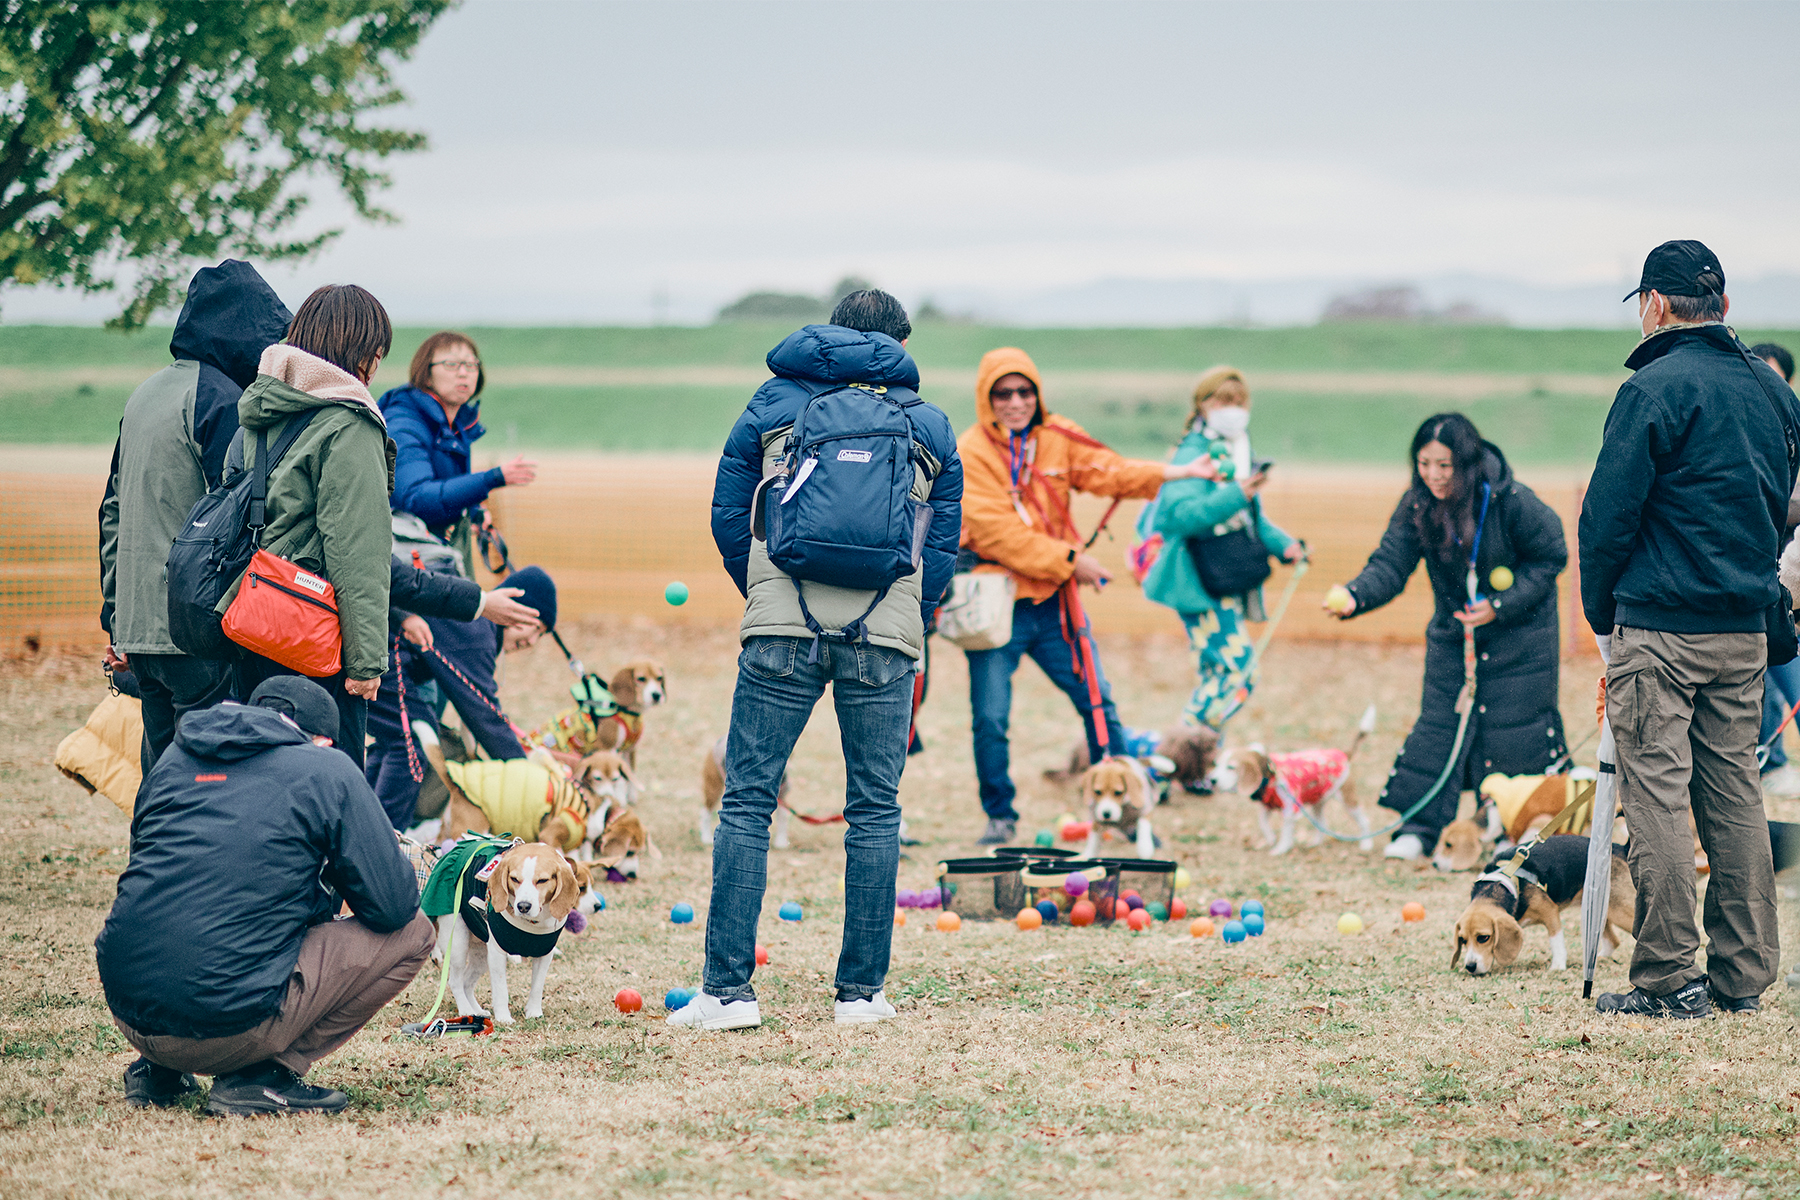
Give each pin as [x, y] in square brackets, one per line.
[345, 974]
[1686, 709]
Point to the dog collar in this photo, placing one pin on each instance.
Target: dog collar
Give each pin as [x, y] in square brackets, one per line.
[1501, 877]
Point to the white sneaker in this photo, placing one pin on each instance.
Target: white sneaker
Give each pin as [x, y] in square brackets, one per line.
[864, 1012]
[710, 1012]
[1406, 847]
[1783, 782]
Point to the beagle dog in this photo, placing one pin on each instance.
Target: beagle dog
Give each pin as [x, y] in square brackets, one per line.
[1190, 750]
[1490, 932]
[1285, 782]
[712, 794]
[574, 732]
[1119, 794]
[610, 789]
[619, 844]
[516, 905]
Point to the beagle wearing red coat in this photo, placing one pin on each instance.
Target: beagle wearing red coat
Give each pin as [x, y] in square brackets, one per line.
[1284, 783]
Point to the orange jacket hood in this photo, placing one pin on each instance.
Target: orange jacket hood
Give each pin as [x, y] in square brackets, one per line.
[1007, 360]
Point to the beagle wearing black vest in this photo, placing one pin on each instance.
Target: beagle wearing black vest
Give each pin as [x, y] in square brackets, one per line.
[1490, 932]
[530, 890]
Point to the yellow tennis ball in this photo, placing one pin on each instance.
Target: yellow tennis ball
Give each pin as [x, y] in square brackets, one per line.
[1350, 923]
[1500, 578]
[1182, 879]
[1339, 599]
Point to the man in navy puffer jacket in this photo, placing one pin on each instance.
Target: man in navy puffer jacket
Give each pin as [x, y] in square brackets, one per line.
[871, 678]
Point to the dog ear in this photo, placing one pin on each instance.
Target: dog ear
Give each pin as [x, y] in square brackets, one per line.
[1509, 939]
[1456, 945]
[564, 892]
[624, 684]
[499, 884]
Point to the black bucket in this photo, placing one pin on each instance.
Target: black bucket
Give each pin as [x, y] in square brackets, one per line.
[982, 889]
[1153, 879]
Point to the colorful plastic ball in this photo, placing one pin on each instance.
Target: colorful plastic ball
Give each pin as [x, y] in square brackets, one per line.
[1250, 906]
[899, 919]
[1350, 923]
[1076, 884]
[575, 922]
[762, 956]
[1413, 910]
[1253, 924]
[1219, 908]
[1075, 831]
[1133, 901]
[839, 881]
[677, 999]
[1138, 921]
[1157, 910]
[948, 922]
[906, 898]
[1234, 932]
[627, 1001]
[1183, 879]
[931, 897]
[1045, 838]
[676, 593]
[790, 912]
[1202, 927]
[1128, 896]
[1048, 911]
[1081, 913]
[1500, 578]
[1103, 907]
[1029, 918]
[682, 914]
[602, 900]
[1177, 909]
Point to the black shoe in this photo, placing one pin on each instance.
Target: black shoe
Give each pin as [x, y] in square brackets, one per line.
[147, 1084]
[1684, 1003]
[1741, 1004]
[999, 831]
[269, 1087]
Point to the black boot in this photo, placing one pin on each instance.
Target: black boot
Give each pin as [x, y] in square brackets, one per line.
[1683, 1003]
[269, 1087]
[1733, 1004]
[147, 1084]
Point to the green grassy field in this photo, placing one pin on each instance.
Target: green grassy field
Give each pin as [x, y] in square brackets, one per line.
[1346, 393]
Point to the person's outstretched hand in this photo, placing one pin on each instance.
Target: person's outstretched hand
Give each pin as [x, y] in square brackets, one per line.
[415, 630]
[500, 607]
[519, 471]
[1089, 572]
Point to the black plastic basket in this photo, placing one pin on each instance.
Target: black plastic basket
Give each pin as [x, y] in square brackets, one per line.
[982, 889]
[1031, 852]
[1153, 879]
[1045, 879]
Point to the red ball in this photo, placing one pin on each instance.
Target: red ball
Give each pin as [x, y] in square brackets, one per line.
[1081, 913]
[628, 1001]
[762, 956]
[1104, 906]
[1139, 920]
[1177, 909]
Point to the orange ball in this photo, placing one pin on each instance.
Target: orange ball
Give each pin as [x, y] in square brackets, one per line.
[762, 956]
[1028, 918]
[628, 1001]
[949, 922]
[1414, 911]
[1202, 927]
[1081, 913]
[899, 920]
[1139, 920]
[1104, 907]
[1177, 909]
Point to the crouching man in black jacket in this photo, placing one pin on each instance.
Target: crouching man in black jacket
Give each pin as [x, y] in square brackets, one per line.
[1679, 536]
[221, 955]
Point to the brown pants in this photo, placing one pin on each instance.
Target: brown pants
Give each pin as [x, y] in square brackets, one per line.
[1685, 710]
[345, 974]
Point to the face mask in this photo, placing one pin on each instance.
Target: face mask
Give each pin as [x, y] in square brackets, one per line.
[1230, 420]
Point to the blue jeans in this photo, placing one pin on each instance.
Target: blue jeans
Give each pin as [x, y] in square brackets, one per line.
[872, 688]
[1037, 631]
[1781, 691]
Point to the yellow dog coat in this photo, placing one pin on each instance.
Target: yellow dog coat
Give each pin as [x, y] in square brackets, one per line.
[515, 794]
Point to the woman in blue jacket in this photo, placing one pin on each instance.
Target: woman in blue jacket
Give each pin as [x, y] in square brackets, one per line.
[1205, 508]
[434, 421]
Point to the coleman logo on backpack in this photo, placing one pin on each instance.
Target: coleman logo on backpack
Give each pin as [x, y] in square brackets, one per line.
[861, 456]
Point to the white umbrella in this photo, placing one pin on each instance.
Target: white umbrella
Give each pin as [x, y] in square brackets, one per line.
[1595, 892]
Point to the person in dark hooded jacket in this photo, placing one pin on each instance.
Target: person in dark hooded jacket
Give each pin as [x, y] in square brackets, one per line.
[1465, 512]
[221, 955]
[173, 437]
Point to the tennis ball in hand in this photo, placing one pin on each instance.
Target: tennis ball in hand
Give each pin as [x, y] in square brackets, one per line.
[676, 593]
[1339, 600]
[1500, 578]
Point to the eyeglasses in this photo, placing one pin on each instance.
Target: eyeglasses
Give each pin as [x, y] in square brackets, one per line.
[1023, 393]
[458, 366]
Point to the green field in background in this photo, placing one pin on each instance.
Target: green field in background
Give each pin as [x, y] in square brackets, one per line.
[1535, 426]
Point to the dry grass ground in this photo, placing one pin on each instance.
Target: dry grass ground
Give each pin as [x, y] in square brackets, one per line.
[1057, 1062]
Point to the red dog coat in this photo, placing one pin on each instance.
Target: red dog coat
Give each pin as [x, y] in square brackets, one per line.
[1303, 777]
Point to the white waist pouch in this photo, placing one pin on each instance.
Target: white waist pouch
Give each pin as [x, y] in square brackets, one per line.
[978, 615]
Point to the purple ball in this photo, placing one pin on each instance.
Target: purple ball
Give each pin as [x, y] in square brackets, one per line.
[1076, 884]
[930, 898]
[1219, 908]
[1134, 902]
[906, 898]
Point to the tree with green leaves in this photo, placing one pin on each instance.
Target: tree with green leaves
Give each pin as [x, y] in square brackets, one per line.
[140, 136]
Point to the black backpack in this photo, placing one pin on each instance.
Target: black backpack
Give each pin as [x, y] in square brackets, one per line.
[216, 545]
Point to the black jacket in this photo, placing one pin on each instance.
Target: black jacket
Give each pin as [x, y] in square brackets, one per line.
[1684, 512]
[245, 835]
[429, 594]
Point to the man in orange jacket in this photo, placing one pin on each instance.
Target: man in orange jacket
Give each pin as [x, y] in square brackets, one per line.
[1020, 464]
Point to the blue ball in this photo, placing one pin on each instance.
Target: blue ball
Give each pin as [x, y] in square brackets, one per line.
[1233, 932]
[1047, 908]
[682, 914]
[602, 900]
[678, 998]
[1250, 906]
[1253, 924]
[790, 912]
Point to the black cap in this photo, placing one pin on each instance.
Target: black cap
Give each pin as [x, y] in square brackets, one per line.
[301, 701]
[539, 589]
[1684, 268]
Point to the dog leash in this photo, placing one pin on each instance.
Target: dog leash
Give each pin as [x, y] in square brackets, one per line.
[1767, 748]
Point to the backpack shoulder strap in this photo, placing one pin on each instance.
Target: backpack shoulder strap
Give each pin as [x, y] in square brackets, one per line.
[1793, 444]
[266, 459]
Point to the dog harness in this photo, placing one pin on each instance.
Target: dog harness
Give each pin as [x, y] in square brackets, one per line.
[576, 731]
[516, 793]
[1303, 777]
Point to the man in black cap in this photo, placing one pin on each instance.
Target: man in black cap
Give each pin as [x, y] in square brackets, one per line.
[221, 955]
[1679, 536]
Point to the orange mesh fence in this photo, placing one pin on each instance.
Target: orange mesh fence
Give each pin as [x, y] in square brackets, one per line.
[614, 531]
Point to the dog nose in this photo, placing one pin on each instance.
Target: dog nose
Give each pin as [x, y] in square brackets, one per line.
[523, 907]
[1472, 967]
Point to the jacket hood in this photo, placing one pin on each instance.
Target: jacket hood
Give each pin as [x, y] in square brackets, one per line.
[290, 380]
[834, 354]
[231, 316]
[1007, 360]
[1494, 465]
[426, 406]
[231, 732]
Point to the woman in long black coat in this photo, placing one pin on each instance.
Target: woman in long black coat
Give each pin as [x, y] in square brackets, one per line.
[1465, 509]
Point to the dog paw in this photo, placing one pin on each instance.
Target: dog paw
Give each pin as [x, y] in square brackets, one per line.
[534, 1013]
[503, 1019]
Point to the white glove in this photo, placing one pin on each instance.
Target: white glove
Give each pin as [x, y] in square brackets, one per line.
[1604, 641]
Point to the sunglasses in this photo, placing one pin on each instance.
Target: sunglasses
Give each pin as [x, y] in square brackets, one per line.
[1023, 393]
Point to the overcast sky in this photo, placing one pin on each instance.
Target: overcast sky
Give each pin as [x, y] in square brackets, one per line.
[589, 157]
